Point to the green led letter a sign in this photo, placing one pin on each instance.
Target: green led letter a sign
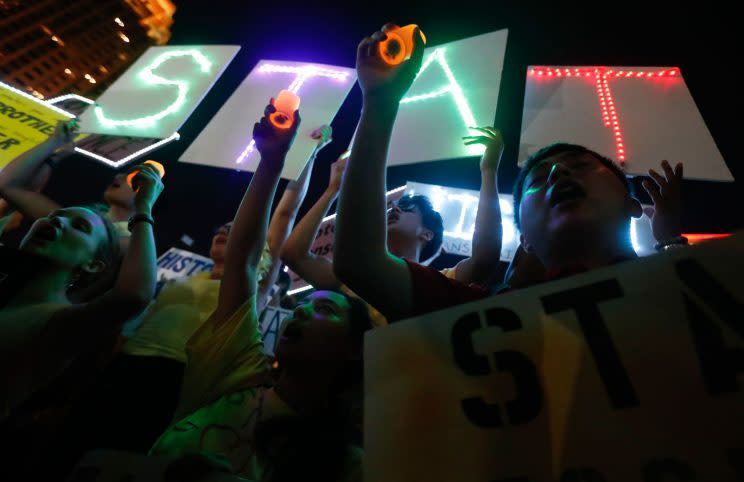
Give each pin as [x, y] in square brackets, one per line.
[456, 88]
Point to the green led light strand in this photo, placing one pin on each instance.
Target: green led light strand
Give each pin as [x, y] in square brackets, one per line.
[454, 89]
[148, 76]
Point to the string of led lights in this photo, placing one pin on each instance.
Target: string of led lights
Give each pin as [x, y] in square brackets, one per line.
[147, 75]
[602, 75]
[453, 88]
[302, 74]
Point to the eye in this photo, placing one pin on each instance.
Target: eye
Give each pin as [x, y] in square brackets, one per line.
[81, 224]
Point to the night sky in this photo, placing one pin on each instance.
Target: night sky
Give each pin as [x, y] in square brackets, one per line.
[703, 43]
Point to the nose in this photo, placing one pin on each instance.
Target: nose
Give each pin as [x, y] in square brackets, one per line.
[57, 222]
[558, 171]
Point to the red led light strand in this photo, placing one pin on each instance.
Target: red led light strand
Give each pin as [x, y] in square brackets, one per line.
[602, 75]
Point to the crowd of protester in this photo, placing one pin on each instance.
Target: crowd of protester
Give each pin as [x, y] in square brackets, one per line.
[192, 381]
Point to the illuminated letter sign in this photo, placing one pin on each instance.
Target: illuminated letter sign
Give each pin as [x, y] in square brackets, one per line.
[648, 110]
[156, 95]
[227, 140]
[456, 88]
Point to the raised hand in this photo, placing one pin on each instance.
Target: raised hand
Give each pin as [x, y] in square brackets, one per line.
[379, 81]
[324, 136]
[494, 143]
[148, 188]
[337, 174]
[666, 194]
[272, 142]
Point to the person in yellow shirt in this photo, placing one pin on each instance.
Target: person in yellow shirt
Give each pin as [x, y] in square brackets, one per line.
[290, 427]
[142, 383]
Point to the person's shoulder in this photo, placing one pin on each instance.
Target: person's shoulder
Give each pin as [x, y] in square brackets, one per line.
[434, 291]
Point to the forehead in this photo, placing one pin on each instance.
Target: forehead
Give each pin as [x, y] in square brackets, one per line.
[81, 212]
[567, 157]
[329, 296]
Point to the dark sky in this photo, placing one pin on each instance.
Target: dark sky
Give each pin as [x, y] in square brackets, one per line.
[702, 41]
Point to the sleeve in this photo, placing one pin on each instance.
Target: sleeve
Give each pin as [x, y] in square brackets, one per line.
[222, 359]
[432, 291]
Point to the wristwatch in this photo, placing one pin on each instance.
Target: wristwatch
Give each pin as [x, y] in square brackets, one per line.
[673, 243]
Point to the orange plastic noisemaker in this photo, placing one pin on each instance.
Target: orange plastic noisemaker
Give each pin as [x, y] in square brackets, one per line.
[158, 167]
[399, 44]
[286, 103]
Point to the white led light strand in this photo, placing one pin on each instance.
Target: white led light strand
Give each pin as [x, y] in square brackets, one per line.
[148, 76]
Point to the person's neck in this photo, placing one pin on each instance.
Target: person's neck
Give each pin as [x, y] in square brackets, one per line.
[403, 248]
[217, 270]
[119, 213]
[49, 286]
[589, 252]
[304, 393]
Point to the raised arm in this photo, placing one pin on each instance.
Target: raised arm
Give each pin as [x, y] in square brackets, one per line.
[481, 266]
[285, 214]
[25, 175]
[361, 259]
[135, 284]
[316, 270]
[248, 234]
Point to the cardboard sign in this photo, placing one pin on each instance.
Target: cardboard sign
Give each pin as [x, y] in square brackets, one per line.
[271, 324]
[178, 263]
[25, 122]
[158, 92]
[639, 115]
[114, 151]
[456, 88]
[227, 140]
[632, 372]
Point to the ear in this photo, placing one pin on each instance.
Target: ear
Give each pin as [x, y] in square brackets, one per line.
[93, 267]
[634, 207]
[426, 235]
[527, 247]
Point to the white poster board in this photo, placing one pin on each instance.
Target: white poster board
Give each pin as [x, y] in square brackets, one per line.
[227, 140]
[457, 88]
[632, 372]
[271, 324]
[656, 117]
[179, 263]
[158, 92]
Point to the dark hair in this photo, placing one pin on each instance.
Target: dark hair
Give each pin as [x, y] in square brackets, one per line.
[553, 150]
[431, 220]
[93, 285]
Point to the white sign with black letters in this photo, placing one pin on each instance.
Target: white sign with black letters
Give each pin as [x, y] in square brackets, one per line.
[629, 373]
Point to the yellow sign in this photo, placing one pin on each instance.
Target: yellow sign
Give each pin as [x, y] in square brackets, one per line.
[630, 373]
[25, 122]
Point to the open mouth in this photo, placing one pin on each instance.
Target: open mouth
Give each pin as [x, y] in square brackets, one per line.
[220, 240]
[565, 192]
[45, 231]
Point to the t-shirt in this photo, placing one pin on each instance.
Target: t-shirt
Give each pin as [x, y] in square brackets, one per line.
[168, 323]
[224, 383]
[431, 290]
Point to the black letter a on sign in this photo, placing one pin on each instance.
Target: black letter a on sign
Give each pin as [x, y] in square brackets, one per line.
[720, 365]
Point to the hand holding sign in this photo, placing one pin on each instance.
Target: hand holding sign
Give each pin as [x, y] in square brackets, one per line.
[666, 193]
[273, 142]
[379, 80]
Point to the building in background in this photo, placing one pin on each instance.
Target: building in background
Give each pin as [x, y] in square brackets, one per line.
[53, 47]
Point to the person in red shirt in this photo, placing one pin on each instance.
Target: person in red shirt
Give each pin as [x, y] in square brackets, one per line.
[573, 205]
